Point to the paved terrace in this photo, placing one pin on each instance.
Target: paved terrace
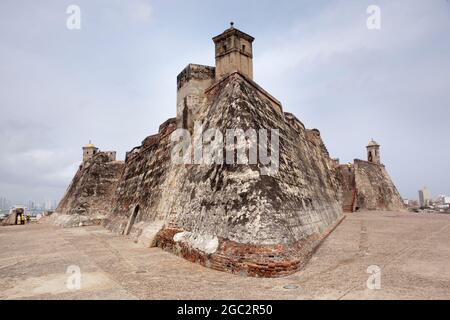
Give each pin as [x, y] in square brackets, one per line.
[412, 250]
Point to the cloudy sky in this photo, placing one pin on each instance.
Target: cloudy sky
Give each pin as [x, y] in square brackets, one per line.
[114, 81]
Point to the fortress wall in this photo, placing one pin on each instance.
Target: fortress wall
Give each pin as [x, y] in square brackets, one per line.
[346, 173]
[375, 189]
[90, 195]
[231, 217]
[347, 177]
[142, 185]
[305, 181]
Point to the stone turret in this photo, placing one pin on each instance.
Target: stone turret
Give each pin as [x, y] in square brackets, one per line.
[89, 151]
[234, 52]
[373, 152]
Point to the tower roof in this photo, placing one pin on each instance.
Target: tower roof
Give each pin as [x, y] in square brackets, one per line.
[89, 145]
[233, 31]
[373, 143]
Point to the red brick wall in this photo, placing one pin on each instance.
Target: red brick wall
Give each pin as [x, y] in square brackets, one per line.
[268, 261]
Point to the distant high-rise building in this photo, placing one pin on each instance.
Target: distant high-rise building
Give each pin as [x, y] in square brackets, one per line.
[5, 204]
[424, 197]
[50, 205]
[446, 200]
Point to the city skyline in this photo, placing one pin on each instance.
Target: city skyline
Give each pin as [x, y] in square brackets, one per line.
[6, 204]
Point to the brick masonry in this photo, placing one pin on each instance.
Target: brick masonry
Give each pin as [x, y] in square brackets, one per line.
[267, 261]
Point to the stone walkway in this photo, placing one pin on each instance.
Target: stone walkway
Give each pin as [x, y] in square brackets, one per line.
[412, 251]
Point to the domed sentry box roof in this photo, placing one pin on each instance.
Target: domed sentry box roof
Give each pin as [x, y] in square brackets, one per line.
[373, 143]
[89, 145]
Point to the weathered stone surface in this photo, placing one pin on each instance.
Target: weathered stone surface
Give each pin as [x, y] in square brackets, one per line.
[75, 220]
[144, 186]
[235, 204]
[375, 189]
[367, 186]
[207, 244]
[90, 195]
[10, 220]
[346, 174]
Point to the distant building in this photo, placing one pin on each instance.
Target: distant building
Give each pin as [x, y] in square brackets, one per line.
[439, 200]
[424, 197]
[5, 204]
[49, 205]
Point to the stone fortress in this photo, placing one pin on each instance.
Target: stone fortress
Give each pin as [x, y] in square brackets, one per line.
[228, 217]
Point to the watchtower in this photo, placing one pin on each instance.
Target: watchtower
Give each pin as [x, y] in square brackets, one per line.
[373, 152]
[89, 151]
[234, 52]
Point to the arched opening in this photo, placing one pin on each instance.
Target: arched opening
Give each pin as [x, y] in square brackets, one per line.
[370, 158]
[131, 220]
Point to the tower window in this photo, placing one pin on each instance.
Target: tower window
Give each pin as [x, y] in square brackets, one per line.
[225, 47]
[243, 47]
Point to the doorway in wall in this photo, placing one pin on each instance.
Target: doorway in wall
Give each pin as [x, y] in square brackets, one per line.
[131, 220]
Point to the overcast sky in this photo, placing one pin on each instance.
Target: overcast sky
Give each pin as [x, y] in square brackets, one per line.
[114, 81]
